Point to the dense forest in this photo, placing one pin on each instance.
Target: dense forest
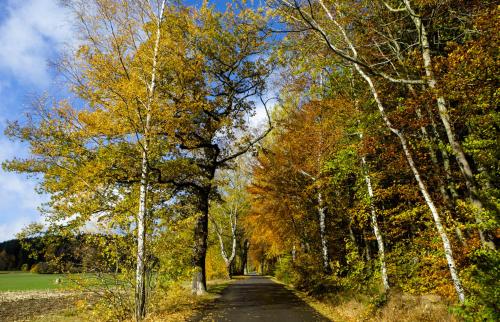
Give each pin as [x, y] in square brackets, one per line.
[56, 253]
[375, 171]
[13, 256]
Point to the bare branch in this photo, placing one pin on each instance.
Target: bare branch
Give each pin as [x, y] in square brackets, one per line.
[393, 9]
[254, 141]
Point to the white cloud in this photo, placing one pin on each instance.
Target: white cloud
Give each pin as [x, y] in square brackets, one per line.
[10, 229]
[18, 198]
[18, 192]
[31, 32]
[259, 120]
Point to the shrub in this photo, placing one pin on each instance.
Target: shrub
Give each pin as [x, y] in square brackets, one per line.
[215, 266]
[42, 268]
[35, 268]
[284, 269]
[482, 281]
[25, 267]
[306, 274]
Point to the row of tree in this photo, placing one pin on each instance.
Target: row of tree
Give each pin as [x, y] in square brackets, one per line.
[57, 253]
[386, 154]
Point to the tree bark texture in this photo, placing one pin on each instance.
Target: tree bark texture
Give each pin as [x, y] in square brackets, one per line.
[199, 285]
[376, 229]
[322, 233]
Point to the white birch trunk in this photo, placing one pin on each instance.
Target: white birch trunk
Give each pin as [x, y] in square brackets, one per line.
[456, 146]
[322, 227]
[367, 247]
[322, 224]
[351, 234]
[140, 285]
[140, 278]
[228, 260]
[376, 230]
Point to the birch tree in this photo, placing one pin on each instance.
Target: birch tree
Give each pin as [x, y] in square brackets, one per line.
[226, 215]
[140, 283]
[444, 115]
[98, 154]
[375, 226]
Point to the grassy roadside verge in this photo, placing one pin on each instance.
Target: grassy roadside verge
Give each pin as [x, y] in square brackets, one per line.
[355, 306]
[180, 305]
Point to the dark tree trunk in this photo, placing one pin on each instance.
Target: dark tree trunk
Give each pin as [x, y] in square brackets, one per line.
[199, 285]
[200, 247]
[229, 269]
[244, 257]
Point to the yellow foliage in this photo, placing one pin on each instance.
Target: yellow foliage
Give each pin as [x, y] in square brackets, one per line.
[215, 265]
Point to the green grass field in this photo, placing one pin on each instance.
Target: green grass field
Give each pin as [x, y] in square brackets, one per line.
[21, 281]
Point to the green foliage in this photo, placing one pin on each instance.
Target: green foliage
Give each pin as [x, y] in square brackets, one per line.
[357, 271]
[42, 268]
[284, 270]
[173, 249]
[342, 165]
[380, 300]
[483, 284]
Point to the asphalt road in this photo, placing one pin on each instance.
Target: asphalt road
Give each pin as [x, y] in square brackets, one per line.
[260, 299]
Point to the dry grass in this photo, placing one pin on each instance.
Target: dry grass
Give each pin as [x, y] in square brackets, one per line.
[401, 307]
[398, 308]
[14, 296]
[69, 315]
[178, 304]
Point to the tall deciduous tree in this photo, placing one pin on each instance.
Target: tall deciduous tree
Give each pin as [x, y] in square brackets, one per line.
[97, 155]
[233, 48]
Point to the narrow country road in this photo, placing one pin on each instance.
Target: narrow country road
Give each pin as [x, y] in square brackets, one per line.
[260, 299]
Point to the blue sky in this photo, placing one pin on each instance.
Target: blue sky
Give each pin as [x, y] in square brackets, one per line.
[32, 33]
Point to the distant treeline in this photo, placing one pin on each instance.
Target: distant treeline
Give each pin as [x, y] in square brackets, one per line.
[13, 255]
[54, 254]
